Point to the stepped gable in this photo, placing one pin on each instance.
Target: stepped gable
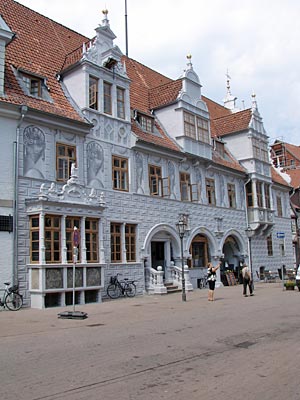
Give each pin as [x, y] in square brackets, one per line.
[234, 122]
[39, 47]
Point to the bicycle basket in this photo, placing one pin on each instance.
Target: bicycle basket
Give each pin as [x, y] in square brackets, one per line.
[113, 280]
[13, 289]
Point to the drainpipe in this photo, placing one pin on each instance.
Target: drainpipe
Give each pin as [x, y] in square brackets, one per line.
[15, 279]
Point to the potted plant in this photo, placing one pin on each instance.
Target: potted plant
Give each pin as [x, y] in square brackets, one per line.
[290, 285]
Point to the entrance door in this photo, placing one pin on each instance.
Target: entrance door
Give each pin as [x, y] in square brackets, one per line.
[158, 254]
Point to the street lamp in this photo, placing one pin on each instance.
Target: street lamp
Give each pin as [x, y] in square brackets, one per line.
[249, 234]
[181, 226]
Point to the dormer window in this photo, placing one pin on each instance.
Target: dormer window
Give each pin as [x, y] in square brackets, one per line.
[33, 85]
[220, 148]
[196, 127]
[146, 122]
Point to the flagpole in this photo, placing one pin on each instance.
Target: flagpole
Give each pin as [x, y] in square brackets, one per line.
[126, 28]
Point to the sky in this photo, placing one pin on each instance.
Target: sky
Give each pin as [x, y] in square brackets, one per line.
[256, 43]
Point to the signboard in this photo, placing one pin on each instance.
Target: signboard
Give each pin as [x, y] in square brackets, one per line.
[280, 235]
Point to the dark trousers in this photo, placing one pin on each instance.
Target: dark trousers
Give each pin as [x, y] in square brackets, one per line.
[247, 282]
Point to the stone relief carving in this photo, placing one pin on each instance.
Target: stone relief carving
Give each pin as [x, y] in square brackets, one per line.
[95, 165]
[34, 151]
[72, 192]
[171, 173]
[200, 181]
[139, 173]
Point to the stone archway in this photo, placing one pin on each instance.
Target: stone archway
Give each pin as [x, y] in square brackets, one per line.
[233, 249]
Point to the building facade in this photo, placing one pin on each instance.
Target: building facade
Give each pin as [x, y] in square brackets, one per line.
[98, 142]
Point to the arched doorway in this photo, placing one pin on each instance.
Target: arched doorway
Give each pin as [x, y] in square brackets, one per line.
[199, 251]
[232, 259]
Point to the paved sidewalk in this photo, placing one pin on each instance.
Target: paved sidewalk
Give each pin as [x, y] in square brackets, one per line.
[157, 347]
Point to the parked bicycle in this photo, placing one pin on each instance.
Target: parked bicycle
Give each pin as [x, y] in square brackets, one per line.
[11, 299]
[117, 288]
[203, 282]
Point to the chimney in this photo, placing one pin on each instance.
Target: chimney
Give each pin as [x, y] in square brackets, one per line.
[6, 36]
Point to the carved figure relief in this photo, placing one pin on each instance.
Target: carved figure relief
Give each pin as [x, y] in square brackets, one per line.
[139, 173]
[171, 173]
[95, 163]
[34, 151]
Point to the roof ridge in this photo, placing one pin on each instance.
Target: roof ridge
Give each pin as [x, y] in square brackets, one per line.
[232, 114]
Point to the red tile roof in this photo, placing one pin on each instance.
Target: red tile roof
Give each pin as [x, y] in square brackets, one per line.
[294, 150]
[295, 177]
[39, 47]
[277, 178]
[235, 122]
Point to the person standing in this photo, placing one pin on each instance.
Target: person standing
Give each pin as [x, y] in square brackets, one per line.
[211, 278]
[247, 281]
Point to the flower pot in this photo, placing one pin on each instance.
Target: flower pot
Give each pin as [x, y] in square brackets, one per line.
[290, 287]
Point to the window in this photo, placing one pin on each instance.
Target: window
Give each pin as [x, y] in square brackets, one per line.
[93, 93]
[200, 252]
[158, 186]
[270, 245]
[121, 103]
[33, 85]
[189, 125]
[52, 239]
[146, 122]
[107, 100]
[279, 206]
[202, 130]
[34, 239]
[282, 249]
[115, 242]
[231, 195]
[267, 196]
[220, 148]
[130, 240]
[91, 240]
[189, 192]
[210, 191]
[65, 156]
[196, 127]
[259, 194]
[249, 194]
[260, 150]
[71, 222]
[185, 186]
[120, 173]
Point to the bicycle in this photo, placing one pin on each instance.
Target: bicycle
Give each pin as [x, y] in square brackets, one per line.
[117, 288]
[11, 299]
[203, 282]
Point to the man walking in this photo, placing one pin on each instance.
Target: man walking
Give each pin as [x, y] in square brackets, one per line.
[246, 280]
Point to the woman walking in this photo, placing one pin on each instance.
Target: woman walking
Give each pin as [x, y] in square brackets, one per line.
[211, 278]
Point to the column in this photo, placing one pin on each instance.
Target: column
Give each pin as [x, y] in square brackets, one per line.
[42, 259]
[63, 240]
[123, 243]
[82, 241]
[101, 241]
[254, 193]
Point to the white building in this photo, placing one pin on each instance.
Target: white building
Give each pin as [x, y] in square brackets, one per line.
[102, 143]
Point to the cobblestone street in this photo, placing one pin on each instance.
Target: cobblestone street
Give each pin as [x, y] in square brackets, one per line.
[157, 347]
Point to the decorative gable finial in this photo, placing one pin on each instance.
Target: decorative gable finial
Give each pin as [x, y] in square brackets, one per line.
[254, 102]
[189, 63]
[105, 21]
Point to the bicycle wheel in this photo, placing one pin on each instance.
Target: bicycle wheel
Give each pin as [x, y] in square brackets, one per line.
[13, 301]
[113, 291]
[130, 289]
